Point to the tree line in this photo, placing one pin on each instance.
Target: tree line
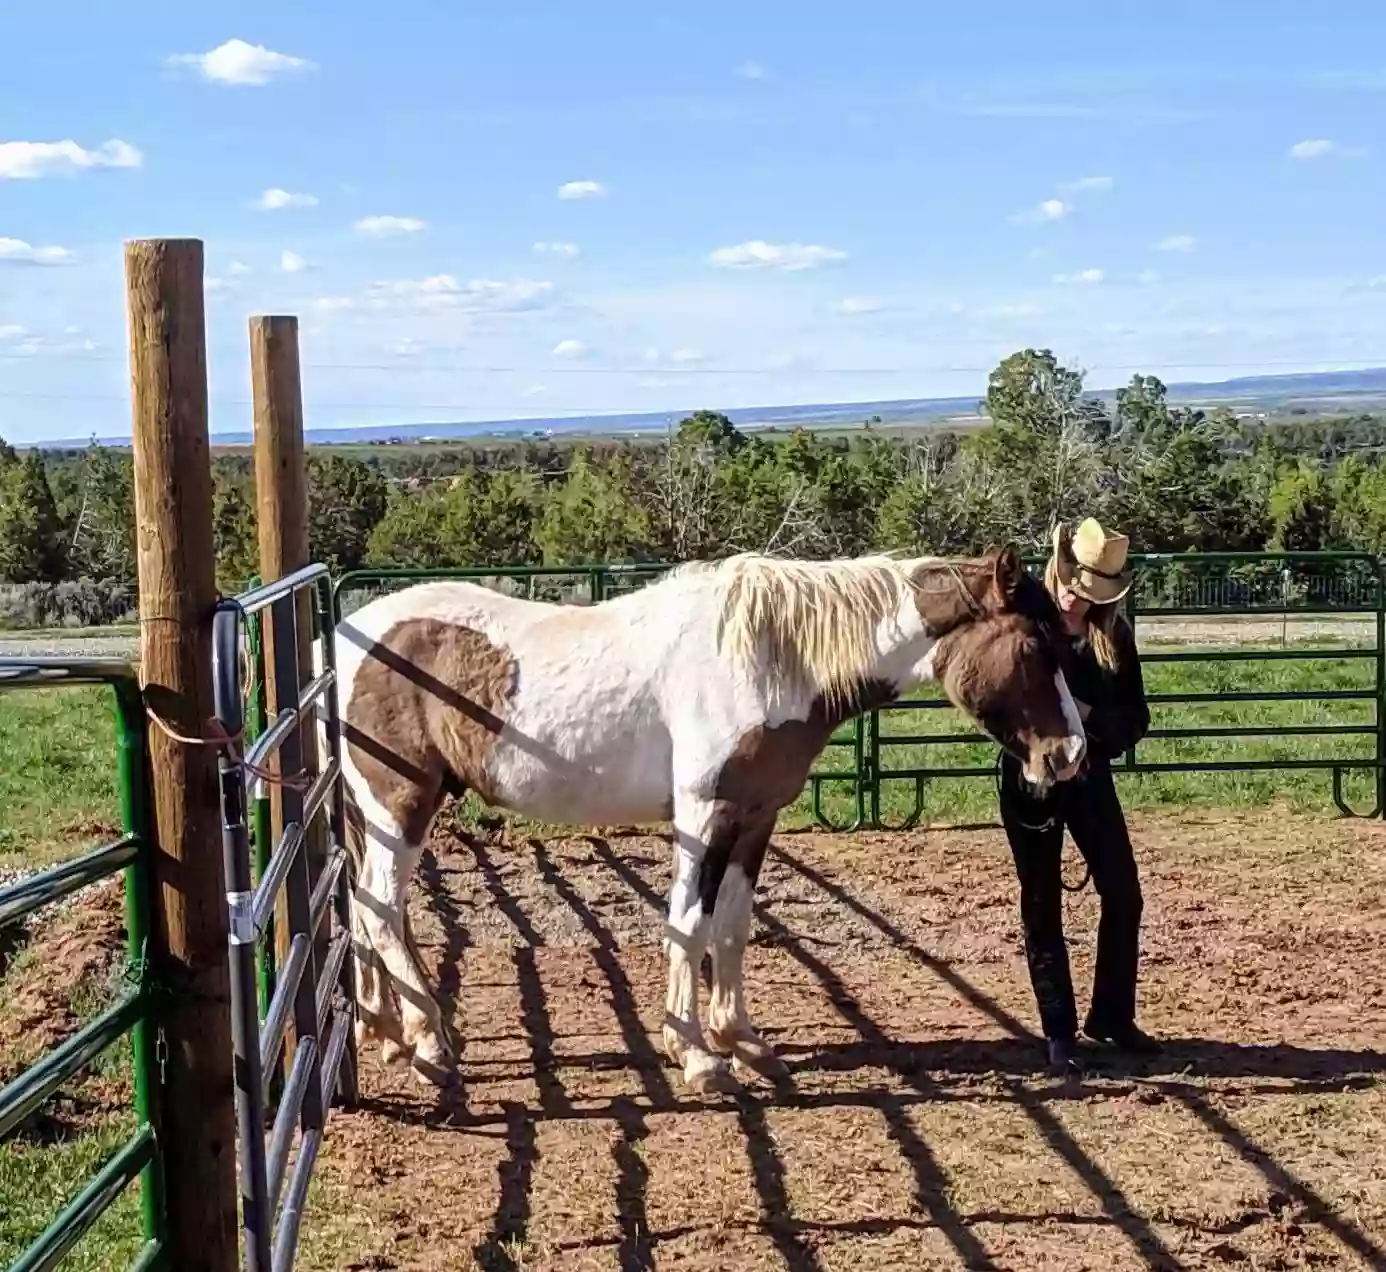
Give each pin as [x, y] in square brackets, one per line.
[1175, 478]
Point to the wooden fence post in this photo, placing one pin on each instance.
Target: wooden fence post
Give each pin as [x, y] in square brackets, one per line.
[173, 516]
[281, 493]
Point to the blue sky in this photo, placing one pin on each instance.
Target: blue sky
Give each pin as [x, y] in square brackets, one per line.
[773, 203]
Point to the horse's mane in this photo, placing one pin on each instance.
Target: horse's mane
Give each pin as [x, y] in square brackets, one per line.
[817, 619]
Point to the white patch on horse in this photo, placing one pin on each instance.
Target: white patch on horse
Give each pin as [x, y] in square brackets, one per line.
[1076, 742]
[631, 711]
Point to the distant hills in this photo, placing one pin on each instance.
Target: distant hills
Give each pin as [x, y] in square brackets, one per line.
[1275, 396]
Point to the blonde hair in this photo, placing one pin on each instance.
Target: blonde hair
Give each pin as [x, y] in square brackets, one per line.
[818, 619]
[1102, 620]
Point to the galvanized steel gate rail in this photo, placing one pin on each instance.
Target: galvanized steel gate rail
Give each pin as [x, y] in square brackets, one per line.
[1326, 583]
[318, 997]
[132, 1013]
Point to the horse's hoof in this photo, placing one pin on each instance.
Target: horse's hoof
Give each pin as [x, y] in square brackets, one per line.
[434, 1060]
[718, 1080]
[764, 1065]
[427, 1073]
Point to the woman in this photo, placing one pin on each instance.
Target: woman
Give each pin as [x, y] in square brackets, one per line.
[1088, 577]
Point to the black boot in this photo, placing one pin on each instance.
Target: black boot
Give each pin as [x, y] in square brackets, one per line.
[1129, 1037]
[1062, 1057]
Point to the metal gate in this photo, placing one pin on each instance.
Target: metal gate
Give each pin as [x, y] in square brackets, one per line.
[1168, 585]
[314, 988]
[140, 1158]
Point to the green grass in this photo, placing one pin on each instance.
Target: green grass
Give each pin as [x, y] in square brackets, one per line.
[58, 793]
[970, 800]
[41, 1174]
[38, 1180]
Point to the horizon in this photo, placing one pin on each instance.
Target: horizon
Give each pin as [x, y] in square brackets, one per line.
[766, 417]
[481, 219]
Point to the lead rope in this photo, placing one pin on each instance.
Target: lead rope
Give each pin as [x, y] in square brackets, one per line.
[1047, 824]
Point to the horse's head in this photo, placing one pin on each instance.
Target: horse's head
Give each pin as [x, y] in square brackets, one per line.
[998, 662]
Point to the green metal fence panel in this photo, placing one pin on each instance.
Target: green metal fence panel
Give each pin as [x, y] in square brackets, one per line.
[134, 1013]
[1167, 586]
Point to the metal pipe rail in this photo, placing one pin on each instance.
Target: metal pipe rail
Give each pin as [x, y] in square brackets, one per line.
[134, 1012]
[317, 998]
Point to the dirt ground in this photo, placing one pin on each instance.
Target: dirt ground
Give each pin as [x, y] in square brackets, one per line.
[918, 1130]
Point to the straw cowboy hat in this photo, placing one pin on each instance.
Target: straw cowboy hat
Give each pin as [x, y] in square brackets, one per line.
[1091, 561]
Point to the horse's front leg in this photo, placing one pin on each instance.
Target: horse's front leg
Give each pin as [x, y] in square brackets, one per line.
[729, 1028]
[703, 839]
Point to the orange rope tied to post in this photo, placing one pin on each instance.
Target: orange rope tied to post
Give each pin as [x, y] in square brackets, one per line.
[301, 781]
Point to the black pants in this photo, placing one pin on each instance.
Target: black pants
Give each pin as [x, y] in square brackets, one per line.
[1088, 805]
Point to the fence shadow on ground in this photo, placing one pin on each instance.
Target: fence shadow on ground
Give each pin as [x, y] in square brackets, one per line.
[930, 1072]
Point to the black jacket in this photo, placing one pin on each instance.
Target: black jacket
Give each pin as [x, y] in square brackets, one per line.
[1120, 716]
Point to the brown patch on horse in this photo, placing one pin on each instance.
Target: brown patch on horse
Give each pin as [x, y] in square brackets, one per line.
[952, 594]
[764, 772]
[990, 669]
[426, 706]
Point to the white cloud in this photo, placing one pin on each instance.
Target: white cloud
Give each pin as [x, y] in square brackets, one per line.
[388, 226]
[758, 254]
[1314, 149]
[274, 198]
[1048, 210]
[237, 62]
[1148, 276]
[12, 331]
[17, 252]
[480, 295]
[555, 247]
[1082, 276]
[292, 263]
[581, 190]
[332, 304]
[533, 390]
[687, 357]
[752, 71]
[237, 268]
[1102, 184]
[569, 349]
[213, 285]
[1011, 309]
[858, 305]
[28, 160]
[1177, 243]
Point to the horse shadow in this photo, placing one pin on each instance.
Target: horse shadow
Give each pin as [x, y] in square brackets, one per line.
[925, 1071]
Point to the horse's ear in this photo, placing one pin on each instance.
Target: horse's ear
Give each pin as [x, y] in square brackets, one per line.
[1007, 572]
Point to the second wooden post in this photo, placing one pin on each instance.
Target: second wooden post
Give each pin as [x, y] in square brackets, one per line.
[281, 491]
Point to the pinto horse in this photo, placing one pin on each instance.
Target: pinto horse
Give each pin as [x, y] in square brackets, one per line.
[701, 699]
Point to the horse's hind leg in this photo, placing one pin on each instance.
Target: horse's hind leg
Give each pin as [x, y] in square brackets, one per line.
[729, 1028]
[703, 841]
[377, 1015]
[382, 895]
